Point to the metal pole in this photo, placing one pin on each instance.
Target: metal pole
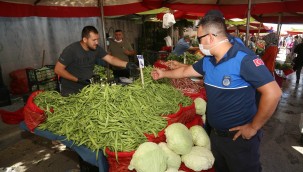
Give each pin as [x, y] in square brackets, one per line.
[172, 36]
[279, 27]
[101, 3]
[247, 23]
[102, 23]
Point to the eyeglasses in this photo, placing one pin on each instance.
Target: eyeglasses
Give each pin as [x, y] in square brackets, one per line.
[200, 37]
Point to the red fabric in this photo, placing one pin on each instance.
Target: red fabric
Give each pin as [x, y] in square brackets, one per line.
[122, 164]
[186, 115]
[19, 82]
[12, 117]
[27, 10]
[33, 115]
[269, 57]
[287, 71]
[278, 79]
[184, 168]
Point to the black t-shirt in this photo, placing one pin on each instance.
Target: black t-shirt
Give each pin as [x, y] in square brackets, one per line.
[79, 63]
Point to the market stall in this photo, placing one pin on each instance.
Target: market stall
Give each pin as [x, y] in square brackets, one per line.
[104, 121]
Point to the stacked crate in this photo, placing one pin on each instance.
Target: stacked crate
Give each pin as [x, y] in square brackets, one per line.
[42, 79]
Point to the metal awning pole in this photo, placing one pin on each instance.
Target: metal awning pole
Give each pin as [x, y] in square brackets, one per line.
[279, 27]
[101, 4]
[248, 23]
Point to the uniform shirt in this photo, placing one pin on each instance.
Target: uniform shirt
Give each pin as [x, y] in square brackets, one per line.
[79, 63]
[181, 47]
[117, 49]
[231, 86]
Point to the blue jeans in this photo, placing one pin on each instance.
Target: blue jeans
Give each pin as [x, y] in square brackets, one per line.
[236, 156]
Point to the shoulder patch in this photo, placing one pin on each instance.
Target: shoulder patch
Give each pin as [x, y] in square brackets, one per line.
[258, 62]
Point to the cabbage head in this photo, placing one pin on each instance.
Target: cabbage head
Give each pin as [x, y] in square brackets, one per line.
[200, 137]
[173, 159]
[178, 138]
[149, 157]
[200, 105]
[198, 159]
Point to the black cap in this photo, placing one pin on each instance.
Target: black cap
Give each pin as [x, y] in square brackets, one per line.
[216, 13]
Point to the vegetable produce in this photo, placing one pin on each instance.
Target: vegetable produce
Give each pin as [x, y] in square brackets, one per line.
[198, 159]
[149, 157]
[111, 116]
[101, 71]
[200, 105]
[172, 170]
[200, 137]
[178, 138]
[186, 85]
[173, 159]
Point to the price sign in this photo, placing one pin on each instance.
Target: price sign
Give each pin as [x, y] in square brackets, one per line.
[141, 61]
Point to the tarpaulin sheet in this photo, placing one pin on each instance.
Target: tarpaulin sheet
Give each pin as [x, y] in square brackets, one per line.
[85, 153]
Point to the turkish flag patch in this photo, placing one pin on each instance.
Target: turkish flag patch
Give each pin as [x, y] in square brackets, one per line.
[258, 62]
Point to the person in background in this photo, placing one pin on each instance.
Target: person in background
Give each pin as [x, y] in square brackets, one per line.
[121, 48]
[271, 51]
[296, 42]
[298, 61]
[289, 44]
[231, 78]
[251, 43]
[183, 45]
[76, 63]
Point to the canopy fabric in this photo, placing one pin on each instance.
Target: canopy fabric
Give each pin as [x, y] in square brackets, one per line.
[295, 31]
[261, 10]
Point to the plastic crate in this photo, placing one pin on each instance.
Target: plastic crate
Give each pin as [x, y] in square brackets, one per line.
[45, 86]
[41, 74]
[42, 78]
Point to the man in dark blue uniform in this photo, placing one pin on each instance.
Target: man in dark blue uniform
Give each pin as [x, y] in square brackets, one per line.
[232, 75]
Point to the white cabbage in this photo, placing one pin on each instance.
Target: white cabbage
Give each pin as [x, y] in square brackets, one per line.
[198, 159]
[200, 137]
[174, 160]
[178, 138]
[200, 105]
[149, 157]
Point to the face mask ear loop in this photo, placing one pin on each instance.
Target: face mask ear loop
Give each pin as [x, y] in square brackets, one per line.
[225, 40]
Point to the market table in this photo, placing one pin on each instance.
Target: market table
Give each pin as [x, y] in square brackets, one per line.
[85, 153]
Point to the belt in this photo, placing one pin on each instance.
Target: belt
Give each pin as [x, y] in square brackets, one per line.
[221, 133]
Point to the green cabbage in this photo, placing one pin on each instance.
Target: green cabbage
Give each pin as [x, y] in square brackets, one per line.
[149, 157]
[178, 138]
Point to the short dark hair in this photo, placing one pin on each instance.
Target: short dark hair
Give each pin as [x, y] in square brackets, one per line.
[215, 13]
[87, 29]
[213, 24]
[118, 30]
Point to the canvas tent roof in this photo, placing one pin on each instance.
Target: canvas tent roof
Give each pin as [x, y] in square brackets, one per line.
[262, 10]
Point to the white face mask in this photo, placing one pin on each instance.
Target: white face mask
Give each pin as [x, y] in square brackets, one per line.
[207, 51]
[118, 40]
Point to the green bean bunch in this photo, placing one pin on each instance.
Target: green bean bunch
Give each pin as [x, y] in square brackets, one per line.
[111, 116]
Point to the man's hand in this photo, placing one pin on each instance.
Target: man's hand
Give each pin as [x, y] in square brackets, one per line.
[131, 66]
[246, 131]
[156, 73]
[84, 81]
[173, 64]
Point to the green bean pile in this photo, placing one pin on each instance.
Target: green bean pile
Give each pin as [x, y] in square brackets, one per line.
[111, 116]
[101, 71]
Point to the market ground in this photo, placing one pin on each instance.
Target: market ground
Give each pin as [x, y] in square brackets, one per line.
[280, 150]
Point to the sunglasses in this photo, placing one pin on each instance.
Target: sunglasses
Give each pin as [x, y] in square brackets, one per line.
[200, 37]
